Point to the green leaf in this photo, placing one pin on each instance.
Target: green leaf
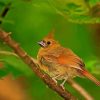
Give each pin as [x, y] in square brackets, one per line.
[83, 19]
[72, 6]
[92, 2]
[77, 11]
[94, 66]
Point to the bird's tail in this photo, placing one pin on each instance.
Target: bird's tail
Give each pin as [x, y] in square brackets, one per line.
[91, 77]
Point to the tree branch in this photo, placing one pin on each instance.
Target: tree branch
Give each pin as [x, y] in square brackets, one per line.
[72, 83]
[28, 60]
[81, 90]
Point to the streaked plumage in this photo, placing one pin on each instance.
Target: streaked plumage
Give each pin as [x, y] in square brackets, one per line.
[59, 62]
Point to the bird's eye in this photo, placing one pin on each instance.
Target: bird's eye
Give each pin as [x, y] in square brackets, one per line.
[48, 42]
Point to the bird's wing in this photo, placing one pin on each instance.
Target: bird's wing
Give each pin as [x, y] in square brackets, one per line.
[71, 61]
[66, 58]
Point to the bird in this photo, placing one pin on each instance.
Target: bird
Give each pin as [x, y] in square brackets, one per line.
[61, 63]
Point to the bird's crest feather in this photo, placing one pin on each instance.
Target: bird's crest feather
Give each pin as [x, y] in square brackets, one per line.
[51, 34]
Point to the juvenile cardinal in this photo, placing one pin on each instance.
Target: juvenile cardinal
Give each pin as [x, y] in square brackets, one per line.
[61, 63]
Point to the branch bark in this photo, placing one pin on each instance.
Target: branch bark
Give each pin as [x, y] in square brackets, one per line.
[28, 60]
[72, 83]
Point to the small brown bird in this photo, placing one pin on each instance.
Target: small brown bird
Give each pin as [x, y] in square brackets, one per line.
[59, 62]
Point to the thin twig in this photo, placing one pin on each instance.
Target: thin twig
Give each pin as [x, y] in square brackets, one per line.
[28, 60]
[5, 11]
[81, 90]
[8, 53]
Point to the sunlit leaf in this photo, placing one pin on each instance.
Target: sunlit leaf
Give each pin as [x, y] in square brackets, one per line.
[94, 66]
[92, 2]
[77, 11]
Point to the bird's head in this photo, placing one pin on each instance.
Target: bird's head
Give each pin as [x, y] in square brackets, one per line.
[48, 41]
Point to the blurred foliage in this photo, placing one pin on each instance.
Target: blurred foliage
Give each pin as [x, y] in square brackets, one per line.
[78, 11]
[31, 20]
[11, 67]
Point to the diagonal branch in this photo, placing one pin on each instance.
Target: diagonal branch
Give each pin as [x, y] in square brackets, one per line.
[80, 89]
[72, 83]
[28, 60]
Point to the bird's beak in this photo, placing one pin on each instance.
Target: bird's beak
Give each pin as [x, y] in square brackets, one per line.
[42, 43]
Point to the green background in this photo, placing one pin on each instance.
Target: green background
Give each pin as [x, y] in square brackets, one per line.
[30, 21]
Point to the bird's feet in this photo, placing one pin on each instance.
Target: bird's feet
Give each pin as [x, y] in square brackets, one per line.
[62, 85]
[54, 80]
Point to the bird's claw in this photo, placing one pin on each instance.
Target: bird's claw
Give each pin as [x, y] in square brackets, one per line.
[62, 85]
[54, 80]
